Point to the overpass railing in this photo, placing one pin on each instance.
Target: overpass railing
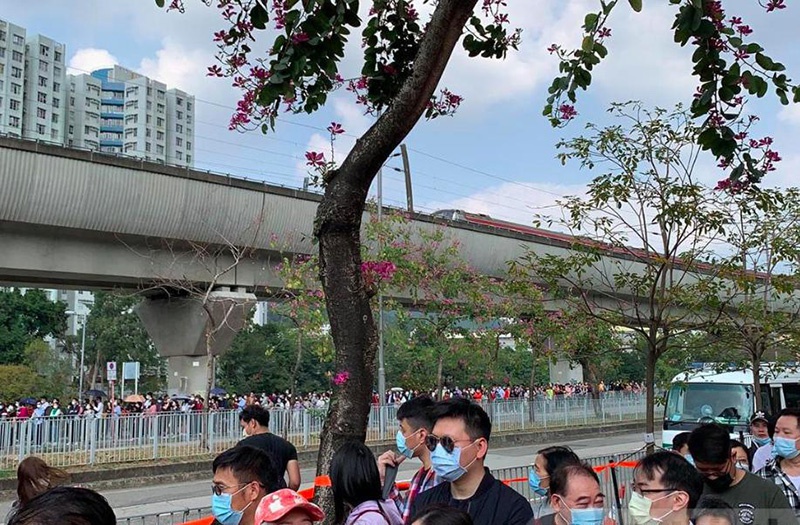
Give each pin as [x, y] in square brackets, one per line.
[74, 441]
[515, 477]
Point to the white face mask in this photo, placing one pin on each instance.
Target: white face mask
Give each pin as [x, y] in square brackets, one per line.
[639, 509]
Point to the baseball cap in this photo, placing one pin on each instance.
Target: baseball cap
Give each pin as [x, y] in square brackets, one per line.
[759, 416]
[276, 505]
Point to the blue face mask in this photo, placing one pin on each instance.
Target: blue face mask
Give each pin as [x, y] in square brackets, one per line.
[448, 466]
[223, 511]
[402, 447]
[761, 441]
[689, 458]
[785, 448]
[590, 516]
[535, 483]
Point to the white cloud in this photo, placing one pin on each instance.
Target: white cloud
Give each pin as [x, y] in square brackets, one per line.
[178, 65]
[790, 114]
[89, 59]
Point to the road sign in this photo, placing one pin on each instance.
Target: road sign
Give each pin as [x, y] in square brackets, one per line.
[111, 371]
[130, 370]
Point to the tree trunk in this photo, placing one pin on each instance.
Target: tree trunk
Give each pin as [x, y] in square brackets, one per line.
[650, 383]
[531, 386]
[591, 377]
[293, 382]
[337, 227]
[204, 415]
[439, 370]
[756, 357]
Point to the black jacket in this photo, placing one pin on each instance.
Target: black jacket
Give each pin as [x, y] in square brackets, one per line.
[492, 504]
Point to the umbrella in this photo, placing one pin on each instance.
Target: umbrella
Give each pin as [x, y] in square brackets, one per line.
[94, 393]
[27, 401]
[181, 397]
[134, 398]
[218, 391]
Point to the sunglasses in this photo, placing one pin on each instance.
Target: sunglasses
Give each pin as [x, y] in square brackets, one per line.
[448, 443]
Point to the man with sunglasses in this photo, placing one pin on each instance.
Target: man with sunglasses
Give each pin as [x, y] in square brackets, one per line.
[666, 488]
[458, 445]
[756, 501]
[242, 476]
[415, 426]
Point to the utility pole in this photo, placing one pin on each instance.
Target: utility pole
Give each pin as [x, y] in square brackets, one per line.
[381, 367]
[407, 171]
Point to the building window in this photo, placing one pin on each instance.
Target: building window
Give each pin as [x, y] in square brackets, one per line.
[188, 119]
[149, 105]
[2, 52]
[160, 122]
[13, 121]
[56, 87]
[41, 113]
[16, 56]
[16, 89]
[56, 102]
[159, 149]
[178, 128]
[58, 56]
[188, 145]
[147, 146]
[178, 141]
[16, 72]
[54, 118]
[179, 155]
[160, 95]
[159, 136]
[41, 97]
[131, 91]
[13, 104]
[2, 35]
[148, 133]
[179, 101]
[179, 115]
[17, 39]
[43, 66]
[54, 134]
[44, 50]
[40, 129]
[188, 106]
[130, 133]
[149, 92]
[42, 81]
[132, 119]
[57, 71]
[188, 159]
[149, 120]
[160, 109]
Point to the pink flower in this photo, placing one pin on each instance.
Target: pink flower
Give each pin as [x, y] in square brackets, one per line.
[567, 112]
[335, 128]
[214, 71]
[341, 378]
[299, 38]
[315, 159]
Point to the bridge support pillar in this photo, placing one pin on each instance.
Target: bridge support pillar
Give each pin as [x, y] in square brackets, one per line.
[186, 329]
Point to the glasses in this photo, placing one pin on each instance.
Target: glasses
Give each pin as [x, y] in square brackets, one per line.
[219, 490]
[642, 492]
[447, 442]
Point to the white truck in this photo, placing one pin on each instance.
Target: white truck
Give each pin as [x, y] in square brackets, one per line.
[726, 397]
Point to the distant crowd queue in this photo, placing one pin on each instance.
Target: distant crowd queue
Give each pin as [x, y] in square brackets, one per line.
[705, 480]
[150, 404]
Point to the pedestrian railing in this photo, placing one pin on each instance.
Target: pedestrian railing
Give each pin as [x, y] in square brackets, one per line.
[515, 477]
[72, 441]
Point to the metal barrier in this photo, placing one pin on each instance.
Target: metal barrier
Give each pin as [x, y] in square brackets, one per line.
[517, 478]
[73, 441]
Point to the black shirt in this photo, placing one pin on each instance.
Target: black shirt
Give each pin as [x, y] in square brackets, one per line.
[280, 451]
[492, 504]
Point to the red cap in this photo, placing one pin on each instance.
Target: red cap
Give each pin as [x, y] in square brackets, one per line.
[278, 504]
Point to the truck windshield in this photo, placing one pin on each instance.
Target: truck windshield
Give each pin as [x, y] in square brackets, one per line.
[707, 402]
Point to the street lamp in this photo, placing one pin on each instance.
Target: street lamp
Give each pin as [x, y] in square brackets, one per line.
[83, 349]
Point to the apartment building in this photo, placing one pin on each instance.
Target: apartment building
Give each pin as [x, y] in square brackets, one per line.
[44, 107]
[12, 78]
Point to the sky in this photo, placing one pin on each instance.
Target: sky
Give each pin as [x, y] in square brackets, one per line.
[496, 156]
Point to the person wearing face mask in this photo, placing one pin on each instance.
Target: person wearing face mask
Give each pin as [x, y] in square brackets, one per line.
[784, 468]
[242, 476]
[254, 421]
[764, 452]
[547, 461]
[756, 501]
[759, 430]
[740, 456]
[576, 497]
[665, 489]
[458, 445]
[415, 425]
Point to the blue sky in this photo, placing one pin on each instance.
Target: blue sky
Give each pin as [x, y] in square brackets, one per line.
[497, 156]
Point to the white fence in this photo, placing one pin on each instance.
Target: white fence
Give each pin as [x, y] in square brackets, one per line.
[69, 441]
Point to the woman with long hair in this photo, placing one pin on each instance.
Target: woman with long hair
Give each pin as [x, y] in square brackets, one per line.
[34, 477]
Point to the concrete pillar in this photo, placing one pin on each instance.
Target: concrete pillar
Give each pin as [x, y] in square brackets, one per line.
[178, 327]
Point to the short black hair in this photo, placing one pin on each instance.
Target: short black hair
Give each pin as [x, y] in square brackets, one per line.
[560, 478]
[251, 412]
[250, 464]
[710, 443]
[476, 421]
[790, 411]
[680, 440]
[354, 477]
[417, 411]
[65, 506]
[442, 515]
[674, 472]
[558, 456]
[716, 507]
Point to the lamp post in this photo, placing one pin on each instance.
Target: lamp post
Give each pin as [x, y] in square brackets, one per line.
[83, 350]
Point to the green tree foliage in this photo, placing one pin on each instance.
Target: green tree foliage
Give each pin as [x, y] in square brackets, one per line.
[53, 368]
[25, 317]
[18, 381]
[115, 333]
[261, 359]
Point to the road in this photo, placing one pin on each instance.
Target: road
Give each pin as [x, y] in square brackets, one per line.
[196, 494]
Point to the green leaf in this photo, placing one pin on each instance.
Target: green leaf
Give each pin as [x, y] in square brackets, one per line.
[259, 16]
[588, 44]
[764, 61]
[636, 5]
[590, 22]
[160, 3]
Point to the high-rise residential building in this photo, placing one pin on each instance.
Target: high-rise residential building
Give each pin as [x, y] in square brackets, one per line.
[180, 127]
[83, 119]
[12, 78]
[44, 107]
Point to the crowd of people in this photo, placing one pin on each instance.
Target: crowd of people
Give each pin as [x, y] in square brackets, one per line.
[706, 479]
[150, 403]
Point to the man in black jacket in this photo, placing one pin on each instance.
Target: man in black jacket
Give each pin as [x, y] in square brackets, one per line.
[459, 444]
